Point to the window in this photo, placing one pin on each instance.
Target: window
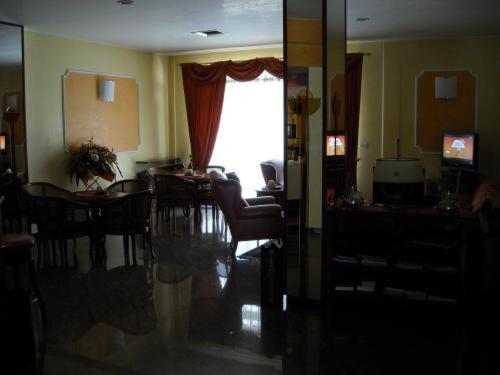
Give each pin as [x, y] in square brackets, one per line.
[251, 129]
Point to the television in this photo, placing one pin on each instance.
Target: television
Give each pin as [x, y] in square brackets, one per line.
[459, 149]
[3, 142]
[335, 145]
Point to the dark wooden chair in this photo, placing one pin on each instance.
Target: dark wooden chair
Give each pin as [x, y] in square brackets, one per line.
[13, 210]
[128, 216]
[23, 314]
[130, 186]
[58, 219]
[174, 191]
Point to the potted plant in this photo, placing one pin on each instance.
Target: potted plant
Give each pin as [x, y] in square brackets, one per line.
[91, 161]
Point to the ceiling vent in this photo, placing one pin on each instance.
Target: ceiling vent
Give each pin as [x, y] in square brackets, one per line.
[207, 33]
[125, 2]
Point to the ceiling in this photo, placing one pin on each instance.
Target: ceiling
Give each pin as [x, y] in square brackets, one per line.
[166, 25]
[153, 25]
[402, 19]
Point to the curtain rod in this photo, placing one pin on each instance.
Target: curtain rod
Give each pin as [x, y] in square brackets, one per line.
[236, 61]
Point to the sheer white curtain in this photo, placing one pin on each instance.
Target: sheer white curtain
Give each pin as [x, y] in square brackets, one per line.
[251, 129]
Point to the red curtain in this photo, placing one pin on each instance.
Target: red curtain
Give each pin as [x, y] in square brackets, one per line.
[354, 69]
[204, 87]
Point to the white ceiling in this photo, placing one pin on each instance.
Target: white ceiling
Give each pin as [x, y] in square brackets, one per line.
[401, 19]
[153, 25]
[166, 25]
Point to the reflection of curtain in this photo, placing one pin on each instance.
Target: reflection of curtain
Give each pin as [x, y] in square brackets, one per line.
[204, 87]
[354, 68]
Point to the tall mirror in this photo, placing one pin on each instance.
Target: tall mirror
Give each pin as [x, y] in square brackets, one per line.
[13, 132]
[304, 147]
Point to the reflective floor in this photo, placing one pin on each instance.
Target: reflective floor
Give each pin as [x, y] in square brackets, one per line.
[194, 311]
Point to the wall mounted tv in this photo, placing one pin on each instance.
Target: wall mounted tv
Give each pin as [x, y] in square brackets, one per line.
[335, 145]
[459, 149]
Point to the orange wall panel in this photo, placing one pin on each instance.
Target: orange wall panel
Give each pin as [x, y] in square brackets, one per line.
[437, 115]
[115, 124]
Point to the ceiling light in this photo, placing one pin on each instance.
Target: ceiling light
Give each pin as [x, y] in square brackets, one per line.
[362, 19]
[207, 33]
[125, 2]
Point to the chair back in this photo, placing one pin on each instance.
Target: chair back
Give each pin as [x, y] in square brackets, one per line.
[174, 190]
[273, 170]
[227, 194]
[45, 189]
[130, 186]
[131, 212]
[210, 168]
[57, 215]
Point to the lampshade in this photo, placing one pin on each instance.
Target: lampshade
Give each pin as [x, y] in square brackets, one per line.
[106, 90]
[12, 102]
[445, 87]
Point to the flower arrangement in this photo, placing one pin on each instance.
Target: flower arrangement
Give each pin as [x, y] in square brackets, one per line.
[91, 161]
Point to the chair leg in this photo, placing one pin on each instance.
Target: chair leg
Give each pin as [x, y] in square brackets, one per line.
[39, 252]
[157, 216]
[134, 257]
[233, 246]
[150, 240]
[125, 250]
[75, 260]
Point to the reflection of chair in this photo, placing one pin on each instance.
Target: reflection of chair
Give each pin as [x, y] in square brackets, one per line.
[129, 186]
[250, 219]
[128, 216]
[273, 170]
[174, 191]
[58, 220]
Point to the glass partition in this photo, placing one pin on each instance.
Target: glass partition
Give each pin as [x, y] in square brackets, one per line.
[12, 132]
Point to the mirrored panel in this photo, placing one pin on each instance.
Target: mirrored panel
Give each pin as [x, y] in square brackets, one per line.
[304, 147]
[12, 133]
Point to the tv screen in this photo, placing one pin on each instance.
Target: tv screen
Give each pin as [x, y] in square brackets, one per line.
[459, 149]
[335, 145]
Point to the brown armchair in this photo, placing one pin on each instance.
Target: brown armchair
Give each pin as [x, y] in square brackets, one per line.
[273, 170]
[251, 219]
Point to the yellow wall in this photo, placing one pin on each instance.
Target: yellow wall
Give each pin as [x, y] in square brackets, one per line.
[178, 129]
[388, 98]
[46, 60]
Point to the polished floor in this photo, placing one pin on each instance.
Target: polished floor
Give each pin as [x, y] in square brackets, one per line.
[194, 310]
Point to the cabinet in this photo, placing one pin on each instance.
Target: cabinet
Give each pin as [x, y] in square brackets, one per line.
[415, 254]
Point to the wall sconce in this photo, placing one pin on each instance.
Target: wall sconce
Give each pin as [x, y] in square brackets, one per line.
[106, 90]
[445, 87]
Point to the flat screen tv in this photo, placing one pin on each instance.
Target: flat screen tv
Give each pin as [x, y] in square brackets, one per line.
[459, 149]
[335, 145]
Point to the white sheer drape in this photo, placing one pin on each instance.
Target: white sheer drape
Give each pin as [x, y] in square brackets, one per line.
[251, 129]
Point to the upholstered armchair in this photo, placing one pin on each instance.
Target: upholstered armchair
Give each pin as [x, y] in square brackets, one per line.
[249, 219]
[273, 170]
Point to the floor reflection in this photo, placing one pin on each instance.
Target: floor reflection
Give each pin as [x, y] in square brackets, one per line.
[192, 311]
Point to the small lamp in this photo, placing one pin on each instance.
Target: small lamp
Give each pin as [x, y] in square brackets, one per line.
[107, 90]
[445, 87]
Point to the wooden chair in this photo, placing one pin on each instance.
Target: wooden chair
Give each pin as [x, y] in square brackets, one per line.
[174, 191]
[130, 186]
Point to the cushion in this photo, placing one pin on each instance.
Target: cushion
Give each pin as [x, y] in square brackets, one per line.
[217, 175]
[483, 194]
